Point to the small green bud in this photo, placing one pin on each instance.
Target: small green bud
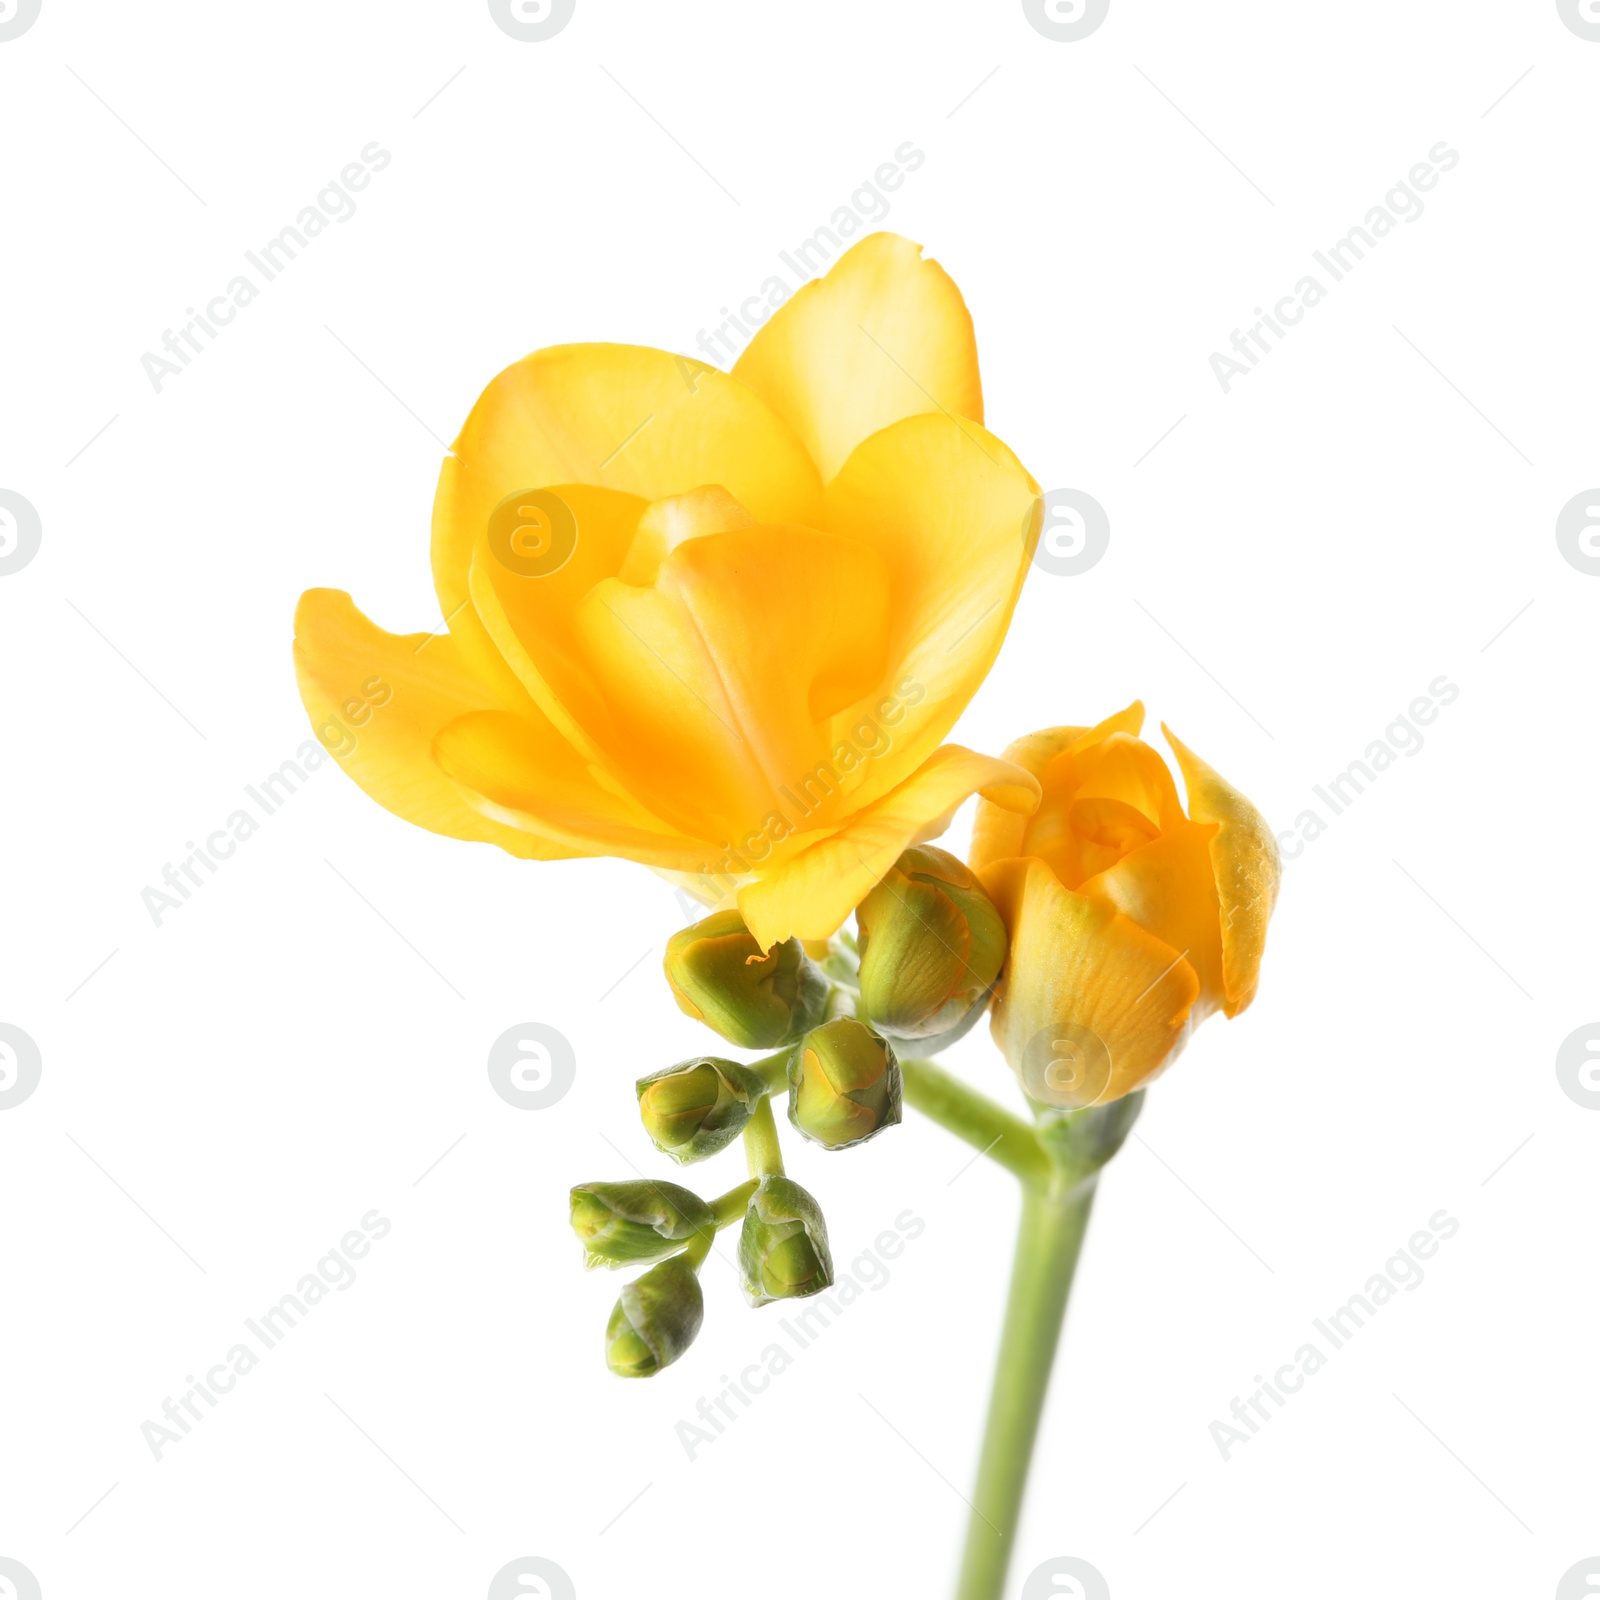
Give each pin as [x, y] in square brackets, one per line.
[698, 1107]
[622, 1224]
[844, 1084]
[655, 1320]
[932, 945]
[719, 976]
[783, 1247]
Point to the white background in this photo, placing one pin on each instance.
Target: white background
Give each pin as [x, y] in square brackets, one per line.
[229, 1093]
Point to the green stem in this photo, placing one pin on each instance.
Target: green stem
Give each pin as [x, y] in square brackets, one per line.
[977, 1119]
[1049, 1238]
[761, 1149]
[729, 1208]
[773, 1071]
[726, 1210]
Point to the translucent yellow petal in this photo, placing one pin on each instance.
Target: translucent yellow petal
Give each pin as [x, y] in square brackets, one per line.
[1244, 856]
[526, 776]
[1122, 767]
[668, 523]
[622, 417]
[1167, 887]
[811, 894]
[955, 517]
[722, 681]
[884, 335]
[391, 694]
[1090, 1005]
[1101, 773]
[528, 612]
[997, 834]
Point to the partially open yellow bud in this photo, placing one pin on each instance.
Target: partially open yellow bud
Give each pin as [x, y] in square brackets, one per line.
[1130, 922]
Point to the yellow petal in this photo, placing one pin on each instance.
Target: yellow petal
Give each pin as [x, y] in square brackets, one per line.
[1166, 886]
[1090, 1005]
[955, 517]
[516, 772]
[623, 417]
[810, 895]
[997, 834]
[668, 523]
[1124, 768]
[884, 335]
[1100, 772]
[527, 612]
[1244, 857]
[391, 693]
[724, 679]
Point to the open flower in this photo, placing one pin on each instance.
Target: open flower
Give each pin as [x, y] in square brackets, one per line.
[718, 624]
[1129, 922]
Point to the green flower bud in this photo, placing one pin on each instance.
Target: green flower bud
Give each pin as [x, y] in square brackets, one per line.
[783, 1247]
[844, 1084]
[719, 977]
[621, 1224]
[698, 1107]
[932, 945]
[655, 1320]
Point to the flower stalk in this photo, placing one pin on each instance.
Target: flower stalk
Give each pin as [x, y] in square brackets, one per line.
[1049, 1239]
[1057, 1162]
[762, 1152]
[991, 1129]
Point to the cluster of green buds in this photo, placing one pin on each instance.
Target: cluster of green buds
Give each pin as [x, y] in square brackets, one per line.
[930, 949]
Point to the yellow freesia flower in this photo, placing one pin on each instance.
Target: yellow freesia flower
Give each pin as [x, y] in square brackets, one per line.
[1130, 923]
[718, 624]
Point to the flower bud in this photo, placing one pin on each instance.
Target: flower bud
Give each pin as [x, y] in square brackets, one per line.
[783, 1247]
[698, 1107]
[655, 1320]
[844, 1084]
[932, 945]
[719, 977]
[624, 1223]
